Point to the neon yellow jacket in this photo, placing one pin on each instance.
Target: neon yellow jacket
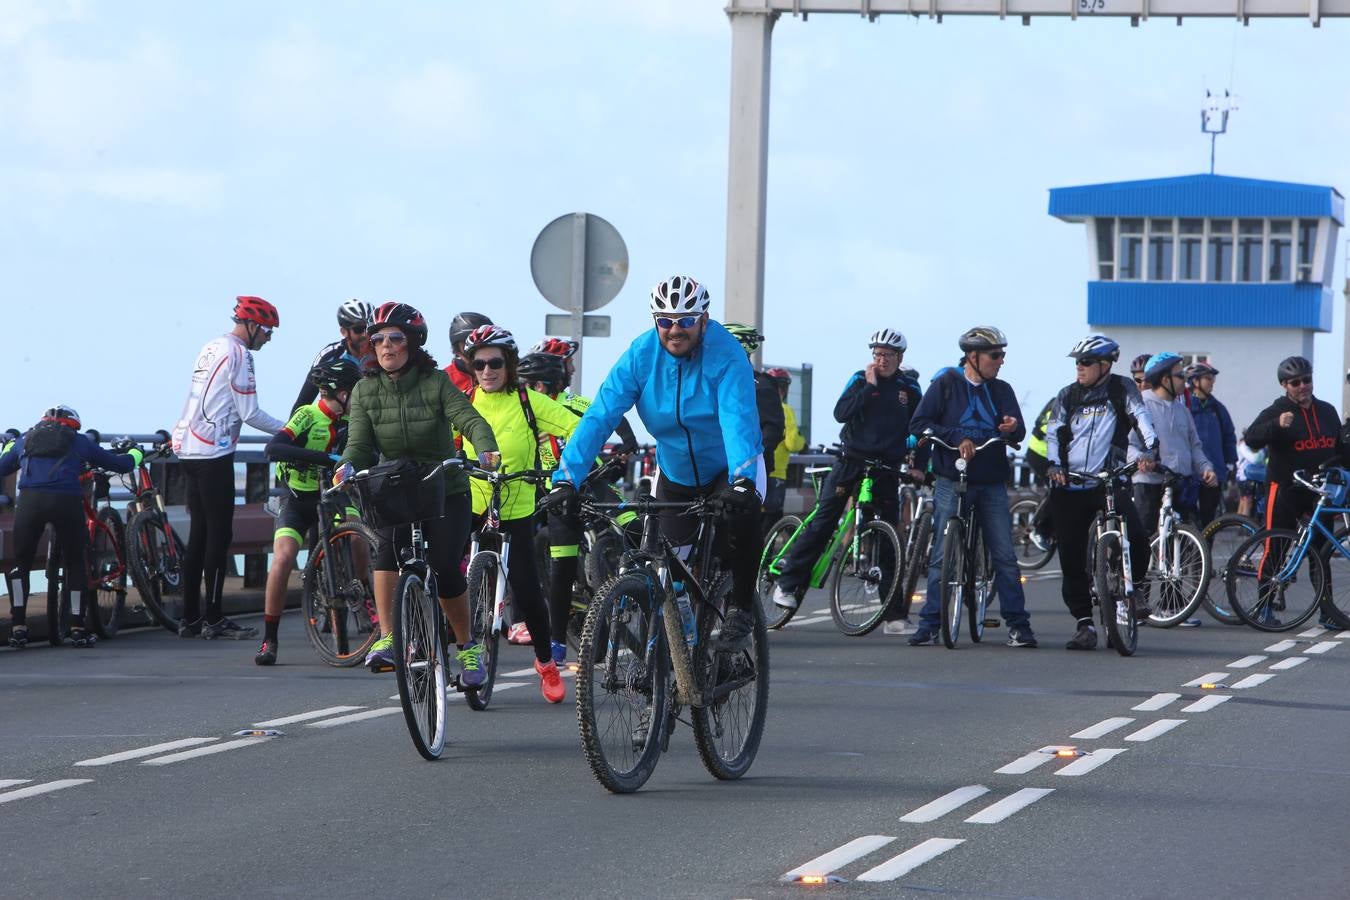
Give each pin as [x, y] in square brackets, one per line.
[516, 443]
[792, 442]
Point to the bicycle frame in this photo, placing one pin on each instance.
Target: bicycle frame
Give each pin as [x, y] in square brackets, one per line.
[501, 616]
[1309, 532]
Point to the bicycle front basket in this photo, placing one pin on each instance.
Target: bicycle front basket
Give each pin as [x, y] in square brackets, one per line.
[398, 492]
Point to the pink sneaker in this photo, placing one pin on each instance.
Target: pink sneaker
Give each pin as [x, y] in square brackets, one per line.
[550, 681]
[519, 634]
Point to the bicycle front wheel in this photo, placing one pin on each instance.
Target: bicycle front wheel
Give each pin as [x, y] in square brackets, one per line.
[776, 544]
[340, 618]
[420, 664]
[1117, 612]
[1223, 536]
[1029, 556]
[866, 576]
[485, 571]
[622, 672]
[1179, 586]
[1268, 587]
[953, 581]
[727, 731]
[107, 574]
[155, 558]
[982, 589]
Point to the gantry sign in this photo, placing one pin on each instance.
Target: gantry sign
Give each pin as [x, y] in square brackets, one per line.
[752, 25]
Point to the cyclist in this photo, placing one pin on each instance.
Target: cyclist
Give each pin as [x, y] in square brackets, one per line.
[1215, 427]
[1137, 367]
[353, 319]
[407, 409]
[792, 442]
[311, 440]
[694, 391]
[1042, 524]
[565, 349]
[1179, 447]
[519, 418]
[50, 459]
[223, 397]
[963, 407]
[460, 326]
[1089, 431]
[766, 393]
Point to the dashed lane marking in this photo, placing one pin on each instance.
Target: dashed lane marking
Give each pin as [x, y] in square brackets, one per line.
[809, 621]
[11, 782]
[840, 856]
[1290, 663]
[152, 750]
[1313, 632]
[1154, 729]
[1247, 662]
[1156, 702]
[47, 788]
[1092, 760]
[1281, 646]
[518, 673]
[1252, 681]
[206, 751]
[910, 860]
[305, 717]
[1105, 726]
[1207, 678]
[1206, 703]
[357, 717]
[945, 804]
[1034, 759]
[997, 812]
[1321, 647]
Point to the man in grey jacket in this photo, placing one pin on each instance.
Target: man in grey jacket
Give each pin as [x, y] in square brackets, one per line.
[1179, 447]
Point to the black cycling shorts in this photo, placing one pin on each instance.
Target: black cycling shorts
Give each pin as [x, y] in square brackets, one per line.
[299, 513]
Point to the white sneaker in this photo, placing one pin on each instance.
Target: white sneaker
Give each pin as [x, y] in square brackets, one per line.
[785, 599]
[899, 626]
[1039, 542]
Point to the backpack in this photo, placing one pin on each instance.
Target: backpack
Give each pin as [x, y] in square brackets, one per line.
[1074, 404]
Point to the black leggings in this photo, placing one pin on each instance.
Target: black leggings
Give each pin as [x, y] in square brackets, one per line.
[65, 513]
[445, 538]
[210, 502]
[527, 597]
[739, 540]
[1074, 512]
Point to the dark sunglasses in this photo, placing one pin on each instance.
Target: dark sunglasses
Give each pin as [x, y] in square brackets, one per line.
[994, 354]
[1299, 382]
[664, 322]
[357, 329]
[495, 363]
[395, 338]
[1084, 363]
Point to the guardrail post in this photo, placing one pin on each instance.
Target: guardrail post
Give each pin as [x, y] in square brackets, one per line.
[257, 483]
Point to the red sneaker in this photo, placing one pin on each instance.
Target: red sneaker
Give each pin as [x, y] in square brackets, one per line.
[550, 682]
[519, 634]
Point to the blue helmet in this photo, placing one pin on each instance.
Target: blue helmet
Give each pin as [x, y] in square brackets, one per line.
[1096, 346]
[1159, 364]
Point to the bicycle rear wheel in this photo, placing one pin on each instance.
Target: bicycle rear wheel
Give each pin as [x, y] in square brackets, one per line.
[485, 570]
[107, 574]
[58, 595]
[155, 558]
[1223, 536]
[1266, 589]
[1117, 613]
[953, 599]
[982, 589]
[775, 550]
[728, 730]
[622, 674]
[420, 663]
[866, 576]
[918, 543]
[1029, 556]
[340, 619]
[1176, 591]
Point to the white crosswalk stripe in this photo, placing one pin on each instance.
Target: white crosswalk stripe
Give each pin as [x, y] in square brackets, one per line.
[1207, 678]
[997, 812]
[1089, 762]
[945, 804]
[1290, 663]
[35, 790]
[1252, 681]
[1321, 647]
[142, 752]
[1149, 732]
[1206, 703]
[840, 856]
[1246, 662]
[1156, 702]
[910, 860]
[1105, 726]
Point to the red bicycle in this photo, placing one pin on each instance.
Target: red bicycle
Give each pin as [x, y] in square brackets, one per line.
[107, 569]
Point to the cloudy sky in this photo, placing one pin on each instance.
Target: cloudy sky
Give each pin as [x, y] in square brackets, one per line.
[158, 158]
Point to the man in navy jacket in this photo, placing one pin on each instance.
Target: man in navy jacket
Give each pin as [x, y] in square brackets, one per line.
[1215, 427]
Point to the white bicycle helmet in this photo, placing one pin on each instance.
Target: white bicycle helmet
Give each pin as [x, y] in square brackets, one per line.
[679, 295]
[888, 337]
[355, 312]
[1096, 346]
[489, 336]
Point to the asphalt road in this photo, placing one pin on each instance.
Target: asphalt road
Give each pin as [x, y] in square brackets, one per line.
[905, 771]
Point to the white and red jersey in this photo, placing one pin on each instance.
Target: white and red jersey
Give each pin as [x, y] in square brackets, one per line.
[223, 397]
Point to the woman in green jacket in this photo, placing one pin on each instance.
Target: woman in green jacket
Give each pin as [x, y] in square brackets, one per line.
[407, 409]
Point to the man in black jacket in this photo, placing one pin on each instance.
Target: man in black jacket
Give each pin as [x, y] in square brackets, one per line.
[874, 409]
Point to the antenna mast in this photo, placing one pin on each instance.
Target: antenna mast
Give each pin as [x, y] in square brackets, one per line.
[1214, 119]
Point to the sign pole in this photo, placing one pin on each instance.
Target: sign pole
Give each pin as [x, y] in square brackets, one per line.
[578, 292]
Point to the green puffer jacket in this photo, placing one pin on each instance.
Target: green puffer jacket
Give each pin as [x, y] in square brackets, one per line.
[411, 417]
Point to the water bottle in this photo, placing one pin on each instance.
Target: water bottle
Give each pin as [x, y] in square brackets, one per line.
[686, 614]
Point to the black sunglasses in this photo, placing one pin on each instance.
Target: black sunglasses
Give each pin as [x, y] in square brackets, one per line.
[994, 354]
[1299, 382]
[357, 329]
[495, 363]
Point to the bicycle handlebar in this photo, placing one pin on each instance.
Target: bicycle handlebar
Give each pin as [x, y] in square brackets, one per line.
[1103, 477]
[996, 439]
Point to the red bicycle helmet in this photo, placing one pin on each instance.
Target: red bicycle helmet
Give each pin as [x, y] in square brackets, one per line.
[781, 375]
[489, 336]
[403, 317]
[256, 309]
[556, 347]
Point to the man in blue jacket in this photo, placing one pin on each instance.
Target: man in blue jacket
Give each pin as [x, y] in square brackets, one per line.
[964, 408]
[1217, 436]
[694, 390]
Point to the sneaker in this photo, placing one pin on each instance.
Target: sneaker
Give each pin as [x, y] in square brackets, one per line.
[381, 655]
[267, 654]
[1021, 636]
[735, 632]
[784, 598]
[1330, 624]
[899, 626]
[1190, 623]
[1085, 638]
[470, 660]
[1141, 608]
[188, 629]
[925, 636]
[80, 637]
[1039, 541]
[18, 636]
[227, 630]
[519, 634]
[559, 651]
[550, 682]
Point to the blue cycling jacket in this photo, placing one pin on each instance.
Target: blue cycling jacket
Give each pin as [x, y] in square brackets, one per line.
[61, 474]
[700, 409]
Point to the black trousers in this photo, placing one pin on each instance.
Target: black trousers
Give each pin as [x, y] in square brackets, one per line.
[1073, 515]
[65, 513]
[739, 540]
[527, 594]
[834, 493]
[209, 484]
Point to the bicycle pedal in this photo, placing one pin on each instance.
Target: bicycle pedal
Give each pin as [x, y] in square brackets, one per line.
[380, 669]
[993, 622]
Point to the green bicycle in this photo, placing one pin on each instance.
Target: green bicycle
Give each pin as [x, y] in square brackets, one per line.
[862, 563]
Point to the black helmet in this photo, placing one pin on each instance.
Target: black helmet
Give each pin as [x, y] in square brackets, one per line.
[1140, 363]
[982, 337]
[1293, 367]
[407, 319]
[543, 367]
[464, 323]
[331, 377]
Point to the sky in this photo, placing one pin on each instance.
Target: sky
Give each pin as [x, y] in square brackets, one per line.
[159, 158]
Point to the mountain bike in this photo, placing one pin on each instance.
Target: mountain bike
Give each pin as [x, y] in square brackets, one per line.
[775, 547]
[1223, 536]
[1112, 588]
[636, 637]
[337, 604]
[105, 568]
[863, 560]
[1179, 565]
[1025, 514]
[155, 552]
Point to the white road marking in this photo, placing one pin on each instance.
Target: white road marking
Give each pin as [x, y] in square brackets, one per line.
[357, 717]
[1313, 632]
[305, 717]
[1149, 732]
[1032, 760]
[1207, 678]
[997, 812]
[811, 621]
[1105, 726]
[1281, 646]
[1156, 702]
[1290, 663]
[37, 789]
[1246, 662]
[840, 856]
[498, 688]
[945, 804]
[910, 860]
[1206, 703]
[518, 673]
[1343, 634]
[1252, 681]
[206, 751]
[152, 750]
[1321, 647]
[1088, 762]
[11, 782]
